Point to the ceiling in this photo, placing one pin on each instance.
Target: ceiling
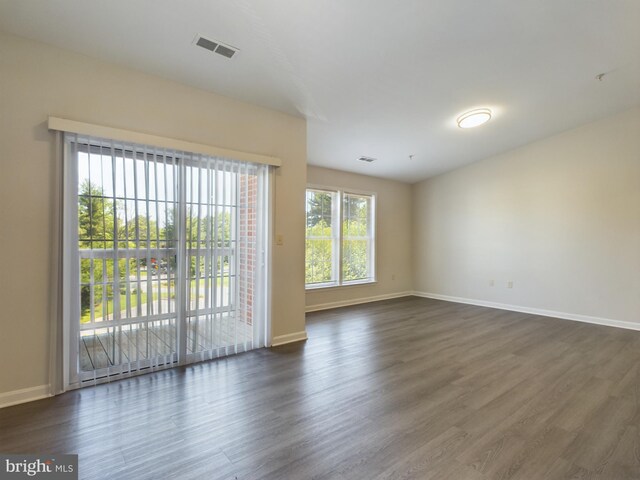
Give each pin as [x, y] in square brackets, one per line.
[375, 78]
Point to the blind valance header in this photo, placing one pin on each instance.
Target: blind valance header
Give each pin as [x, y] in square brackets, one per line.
[72, 126]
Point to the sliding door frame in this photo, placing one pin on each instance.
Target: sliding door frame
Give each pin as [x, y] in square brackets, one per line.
[71, 374]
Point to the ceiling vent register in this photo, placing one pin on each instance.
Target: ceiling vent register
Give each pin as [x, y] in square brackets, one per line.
[217, 47]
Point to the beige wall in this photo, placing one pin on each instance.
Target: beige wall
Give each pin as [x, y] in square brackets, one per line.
[559, 217]
[393, 241]
[36, 81]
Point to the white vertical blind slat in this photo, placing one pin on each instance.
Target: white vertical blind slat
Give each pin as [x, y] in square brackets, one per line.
[207, 262]
[196, 316]
[218, 260]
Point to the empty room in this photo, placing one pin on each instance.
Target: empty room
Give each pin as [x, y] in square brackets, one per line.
[339, 240]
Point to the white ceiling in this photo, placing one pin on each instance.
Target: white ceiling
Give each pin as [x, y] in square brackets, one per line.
[384, 79]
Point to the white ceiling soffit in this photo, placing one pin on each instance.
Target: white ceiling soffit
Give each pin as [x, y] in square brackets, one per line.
[375, 78]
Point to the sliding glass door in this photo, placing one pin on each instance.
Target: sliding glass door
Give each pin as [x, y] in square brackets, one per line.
[167, 258]
[224, 256]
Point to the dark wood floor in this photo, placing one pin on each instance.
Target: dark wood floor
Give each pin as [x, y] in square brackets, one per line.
[407, 388]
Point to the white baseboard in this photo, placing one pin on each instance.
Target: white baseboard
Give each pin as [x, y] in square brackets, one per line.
[289, 338]
[535, 311]
[24, 395]
[355, 301]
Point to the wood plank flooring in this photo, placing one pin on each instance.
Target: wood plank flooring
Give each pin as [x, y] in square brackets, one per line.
[402, 389]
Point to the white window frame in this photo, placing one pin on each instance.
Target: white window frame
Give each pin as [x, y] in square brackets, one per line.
[335, 236]
[339, 238]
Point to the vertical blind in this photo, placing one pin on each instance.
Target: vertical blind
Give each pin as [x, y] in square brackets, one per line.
[167, 257]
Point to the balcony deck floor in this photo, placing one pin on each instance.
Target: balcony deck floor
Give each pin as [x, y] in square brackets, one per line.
[120, 345]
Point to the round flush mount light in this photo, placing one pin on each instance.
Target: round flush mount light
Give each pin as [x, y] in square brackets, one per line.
[474, 118]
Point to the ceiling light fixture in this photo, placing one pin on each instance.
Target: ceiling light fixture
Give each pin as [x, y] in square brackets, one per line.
[474, 118]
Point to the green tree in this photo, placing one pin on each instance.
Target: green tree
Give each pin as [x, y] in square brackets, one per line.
[355, 259]
[215, 232]
[95, 217]
[95, 231]
[170, 228]
[99, 217]
[319, 253]
[319, 207]
[355, 246]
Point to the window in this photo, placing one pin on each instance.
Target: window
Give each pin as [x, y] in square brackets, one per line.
[322, 238]
[357, 237]
[167, 253]
[340, 238]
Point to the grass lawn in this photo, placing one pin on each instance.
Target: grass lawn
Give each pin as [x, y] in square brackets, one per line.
[99, 308]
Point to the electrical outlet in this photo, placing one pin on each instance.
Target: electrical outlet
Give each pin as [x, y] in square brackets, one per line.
[510, 284]
[279, 239]
[491, 283]
[393, 277]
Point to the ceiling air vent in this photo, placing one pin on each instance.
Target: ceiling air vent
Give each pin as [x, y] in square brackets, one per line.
[214, 46]
[367, 159]
[225, 51]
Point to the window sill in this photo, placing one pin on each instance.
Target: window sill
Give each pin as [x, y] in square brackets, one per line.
[363, 283]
